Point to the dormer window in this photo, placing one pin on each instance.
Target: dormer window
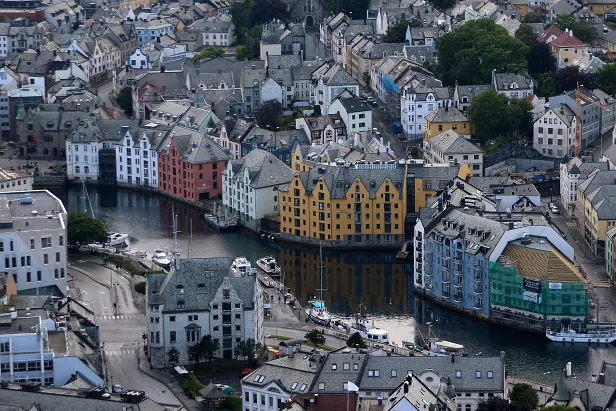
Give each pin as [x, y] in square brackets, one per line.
[201, 288]
[179, 289]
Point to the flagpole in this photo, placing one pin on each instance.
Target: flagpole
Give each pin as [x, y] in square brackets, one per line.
[348, 397]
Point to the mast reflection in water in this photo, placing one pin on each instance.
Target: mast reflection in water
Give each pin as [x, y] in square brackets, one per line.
[376, 279]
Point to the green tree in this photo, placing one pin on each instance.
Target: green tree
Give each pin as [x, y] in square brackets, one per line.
[269, 113]
[524, 397]
[487, 111]
[240, 17]
[248, 349]
[582, 30]
[396, 33]
[263, 11]
[209, 53]
[315, 336]
[496, 404]
[352, 8]
[83, 229]
[355, 340]
[532, 18]
[125, 100]
[540, 59]
[444, 4]
[367, 79]
[140, 287]
[518, 118]
[205, 349]
[526, 34]
[606, 77]
[470, 53]
[242, 52]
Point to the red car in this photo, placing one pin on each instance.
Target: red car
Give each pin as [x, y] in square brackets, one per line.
[245, 372]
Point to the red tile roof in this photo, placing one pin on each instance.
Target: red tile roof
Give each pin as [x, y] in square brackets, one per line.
[552, 30]
[568, 40]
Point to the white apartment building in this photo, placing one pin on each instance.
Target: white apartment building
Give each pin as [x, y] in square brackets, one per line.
[33, 241]
[356, 115]
[328, 82]
[450, 146]
[250, 185]
[572, 174]
[554, 132]
[33, 347]
[513, 85]
[4, 39]
[264, 390]
[11, 180]
[200, 297]
[136, 160]
[416, 102]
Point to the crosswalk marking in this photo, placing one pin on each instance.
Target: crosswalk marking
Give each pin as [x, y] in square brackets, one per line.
[120, 352]
[120, 317]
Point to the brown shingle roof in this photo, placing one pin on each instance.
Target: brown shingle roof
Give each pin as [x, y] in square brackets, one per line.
[539, 263]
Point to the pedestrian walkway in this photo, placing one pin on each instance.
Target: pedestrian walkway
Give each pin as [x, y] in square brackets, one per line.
[120, 317]
[168, 380]
[121, 352]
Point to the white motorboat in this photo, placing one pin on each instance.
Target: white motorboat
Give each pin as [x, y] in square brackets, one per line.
[116, 239]
[268, 265]
[241, 267]
[137, 254]
[600, 335]
[160, 258]
[318, 313]
[365, 327]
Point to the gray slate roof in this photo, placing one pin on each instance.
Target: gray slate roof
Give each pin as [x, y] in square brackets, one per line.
[446, 114]
[285, 372]
[450, 142]
[264, 169]
[505, 80]
[339, 180]
[194, 146]
[334, 380]
[596, 180]
[210, 272]
[353, 105]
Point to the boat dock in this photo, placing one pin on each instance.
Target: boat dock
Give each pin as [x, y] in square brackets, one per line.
[403, 254]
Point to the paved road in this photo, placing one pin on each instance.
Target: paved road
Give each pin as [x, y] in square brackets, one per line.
[120, 328]
[105, 93]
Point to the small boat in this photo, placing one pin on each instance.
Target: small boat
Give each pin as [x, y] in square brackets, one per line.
[365, 327]
[241, 267]
[134, 254]
[268, 265]
[601, 335]
[433, 346]
[220, 219]
[116, 239]
[160, 258]
[318, 313]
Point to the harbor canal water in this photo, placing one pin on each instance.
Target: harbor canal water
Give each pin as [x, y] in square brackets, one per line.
[377, 280]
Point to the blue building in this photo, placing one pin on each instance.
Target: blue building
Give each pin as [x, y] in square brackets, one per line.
[152, 29]
[457, 248]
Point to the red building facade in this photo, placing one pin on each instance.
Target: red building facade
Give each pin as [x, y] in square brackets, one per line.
[190, 165]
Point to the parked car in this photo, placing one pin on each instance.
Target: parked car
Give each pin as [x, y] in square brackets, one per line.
[227, 389]
[116, 388]
[245, 372]
[374, 104]
[554, 210]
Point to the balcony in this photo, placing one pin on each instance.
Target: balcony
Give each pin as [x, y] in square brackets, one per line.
[429, 257]
[446, 279]
[458, 297]
[478, 305]
[478, 290]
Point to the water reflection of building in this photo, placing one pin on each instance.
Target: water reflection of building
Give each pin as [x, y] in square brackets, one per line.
[378, 281]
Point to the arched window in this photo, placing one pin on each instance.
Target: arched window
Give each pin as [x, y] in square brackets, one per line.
[76, 169]
[179, 289]
[201, 288]
[76, 158]
[86, 170]
[85, 159]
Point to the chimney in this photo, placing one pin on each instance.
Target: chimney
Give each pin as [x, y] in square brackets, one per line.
[601, 379]
[570, 33]
[594, 378]
[568, 369]
[316, 398]
[453, 358]
[502, 356]
[406, 387]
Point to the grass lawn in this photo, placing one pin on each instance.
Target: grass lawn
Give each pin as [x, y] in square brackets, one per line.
[192, 384]
[321, 346]
[280, 337]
